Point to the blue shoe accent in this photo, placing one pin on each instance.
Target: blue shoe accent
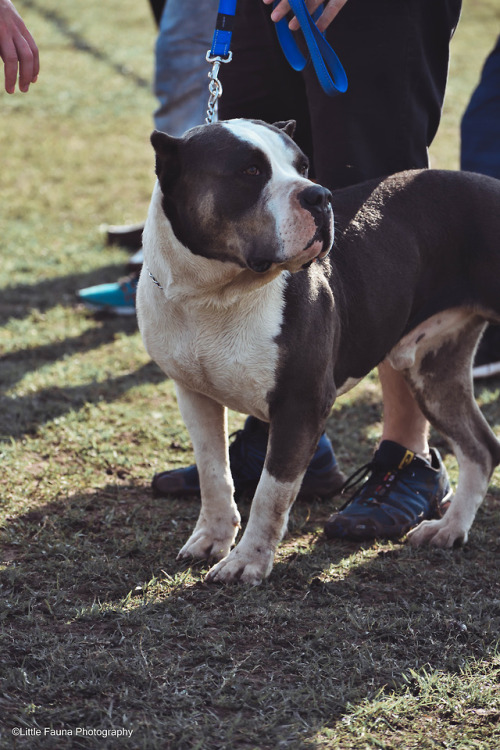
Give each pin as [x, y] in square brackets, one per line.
[117, 298]
[246, 457]
[401, 491]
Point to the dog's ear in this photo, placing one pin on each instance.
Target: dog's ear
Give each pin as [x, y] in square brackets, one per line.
[288, 126]
[167, 149]
[162, 143]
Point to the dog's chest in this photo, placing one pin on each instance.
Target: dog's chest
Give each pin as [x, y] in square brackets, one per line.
[227, 353]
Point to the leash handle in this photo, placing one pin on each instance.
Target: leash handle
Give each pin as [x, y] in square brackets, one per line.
[329, 69]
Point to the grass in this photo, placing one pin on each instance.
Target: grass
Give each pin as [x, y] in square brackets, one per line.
[102, 630]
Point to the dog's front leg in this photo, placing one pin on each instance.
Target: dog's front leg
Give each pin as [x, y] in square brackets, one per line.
[219, 519]
[252, 559]
[287, 458]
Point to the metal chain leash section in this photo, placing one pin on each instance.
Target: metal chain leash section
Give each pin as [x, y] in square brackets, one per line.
[214, 86]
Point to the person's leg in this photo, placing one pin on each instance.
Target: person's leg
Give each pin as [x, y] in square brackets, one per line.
[181, 70]
[480, 127]
[480, 152]
[157, 7]
[396, 59]
[404, 423]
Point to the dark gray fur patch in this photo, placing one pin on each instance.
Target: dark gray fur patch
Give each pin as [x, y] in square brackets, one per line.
[447, 397]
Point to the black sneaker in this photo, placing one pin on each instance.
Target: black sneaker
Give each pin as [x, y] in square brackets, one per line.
[402, 490]
[128, 235]
[246, 457]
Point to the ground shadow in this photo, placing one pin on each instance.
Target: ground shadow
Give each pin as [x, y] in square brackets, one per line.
[15, 365]
[93, 578]
[18, 301]
[24, 415]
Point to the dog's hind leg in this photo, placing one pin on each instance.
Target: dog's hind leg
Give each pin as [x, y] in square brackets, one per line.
[219, 519]
[441, 379]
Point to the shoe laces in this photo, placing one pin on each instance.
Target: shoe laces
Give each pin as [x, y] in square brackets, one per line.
[377, 485]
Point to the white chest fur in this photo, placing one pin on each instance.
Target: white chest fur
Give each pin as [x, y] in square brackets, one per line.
[227, 354]
[206, 329]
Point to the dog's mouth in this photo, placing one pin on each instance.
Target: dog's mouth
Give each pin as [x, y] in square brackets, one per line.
[319, 246]
[316, 249]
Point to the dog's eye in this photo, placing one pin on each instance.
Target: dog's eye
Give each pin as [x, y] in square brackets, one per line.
[303, 169]
[252, 171]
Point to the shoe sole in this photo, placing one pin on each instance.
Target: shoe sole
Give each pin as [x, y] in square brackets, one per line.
[247, 490]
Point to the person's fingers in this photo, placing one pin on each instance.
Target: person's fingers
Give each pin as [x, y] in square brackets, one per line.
[312, 5]
[8, 53]
[25, 58]
[18, 50]
[36, 55]
[280, 11]
[329, 12]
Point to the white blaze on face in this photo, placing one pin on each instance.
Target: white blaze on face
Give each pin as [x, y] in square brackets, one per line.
[295, 225]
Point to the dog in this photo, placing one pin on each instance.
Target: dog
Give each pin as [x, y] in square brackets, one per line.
[247, 300]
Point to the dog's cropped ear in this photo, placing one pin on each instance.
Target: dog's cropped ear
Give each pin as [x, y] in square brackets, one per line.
[288, 126]
[167, 149]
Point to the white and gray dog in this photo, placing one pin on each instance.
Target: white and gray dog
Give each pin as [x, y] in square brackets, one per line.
[244, 318]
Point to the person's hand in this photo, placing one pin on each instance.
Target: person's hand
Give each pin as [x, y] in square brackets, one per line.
[17, 49]
[332, 7]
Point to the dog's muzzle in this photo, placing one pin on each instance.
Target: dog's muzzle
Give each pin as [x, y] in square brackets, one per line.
[316, 201]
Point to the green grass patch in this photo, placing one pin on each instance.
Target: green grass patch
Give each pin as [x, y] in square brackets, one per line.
[101, 628]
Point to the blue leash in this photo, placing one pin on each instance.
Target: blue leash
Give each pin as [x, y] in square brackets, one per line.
[331, 74]
[223, 30]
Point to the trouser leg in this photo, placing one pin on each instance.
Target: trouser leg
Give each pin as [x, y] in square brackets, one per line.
[181, 70]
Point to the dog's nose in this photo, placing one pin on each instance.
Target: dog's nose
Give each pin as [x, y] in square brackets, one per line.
[315, 199]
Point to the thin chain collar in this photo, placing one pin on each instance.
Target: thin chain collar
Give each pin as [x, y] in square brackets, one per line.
[155, 281]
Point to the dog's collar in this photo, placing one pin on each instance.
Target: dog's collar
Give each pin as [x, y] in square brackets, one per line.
[155, 281]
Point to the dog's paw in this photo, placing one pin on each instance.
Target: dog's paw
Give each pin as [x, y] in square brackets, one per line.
[439, 533]
[245, 566]
[208, 542]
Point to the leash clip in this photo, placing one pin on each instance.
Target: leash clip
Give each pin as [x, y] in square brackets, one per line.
[215, 86]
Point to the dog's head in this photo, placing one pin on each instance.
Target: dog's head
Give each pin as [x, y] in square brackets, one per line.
[237, 191]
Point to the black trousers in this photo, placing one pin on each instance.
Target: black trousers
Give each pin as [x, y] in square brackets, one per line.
[157, 7]
[395, 53]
